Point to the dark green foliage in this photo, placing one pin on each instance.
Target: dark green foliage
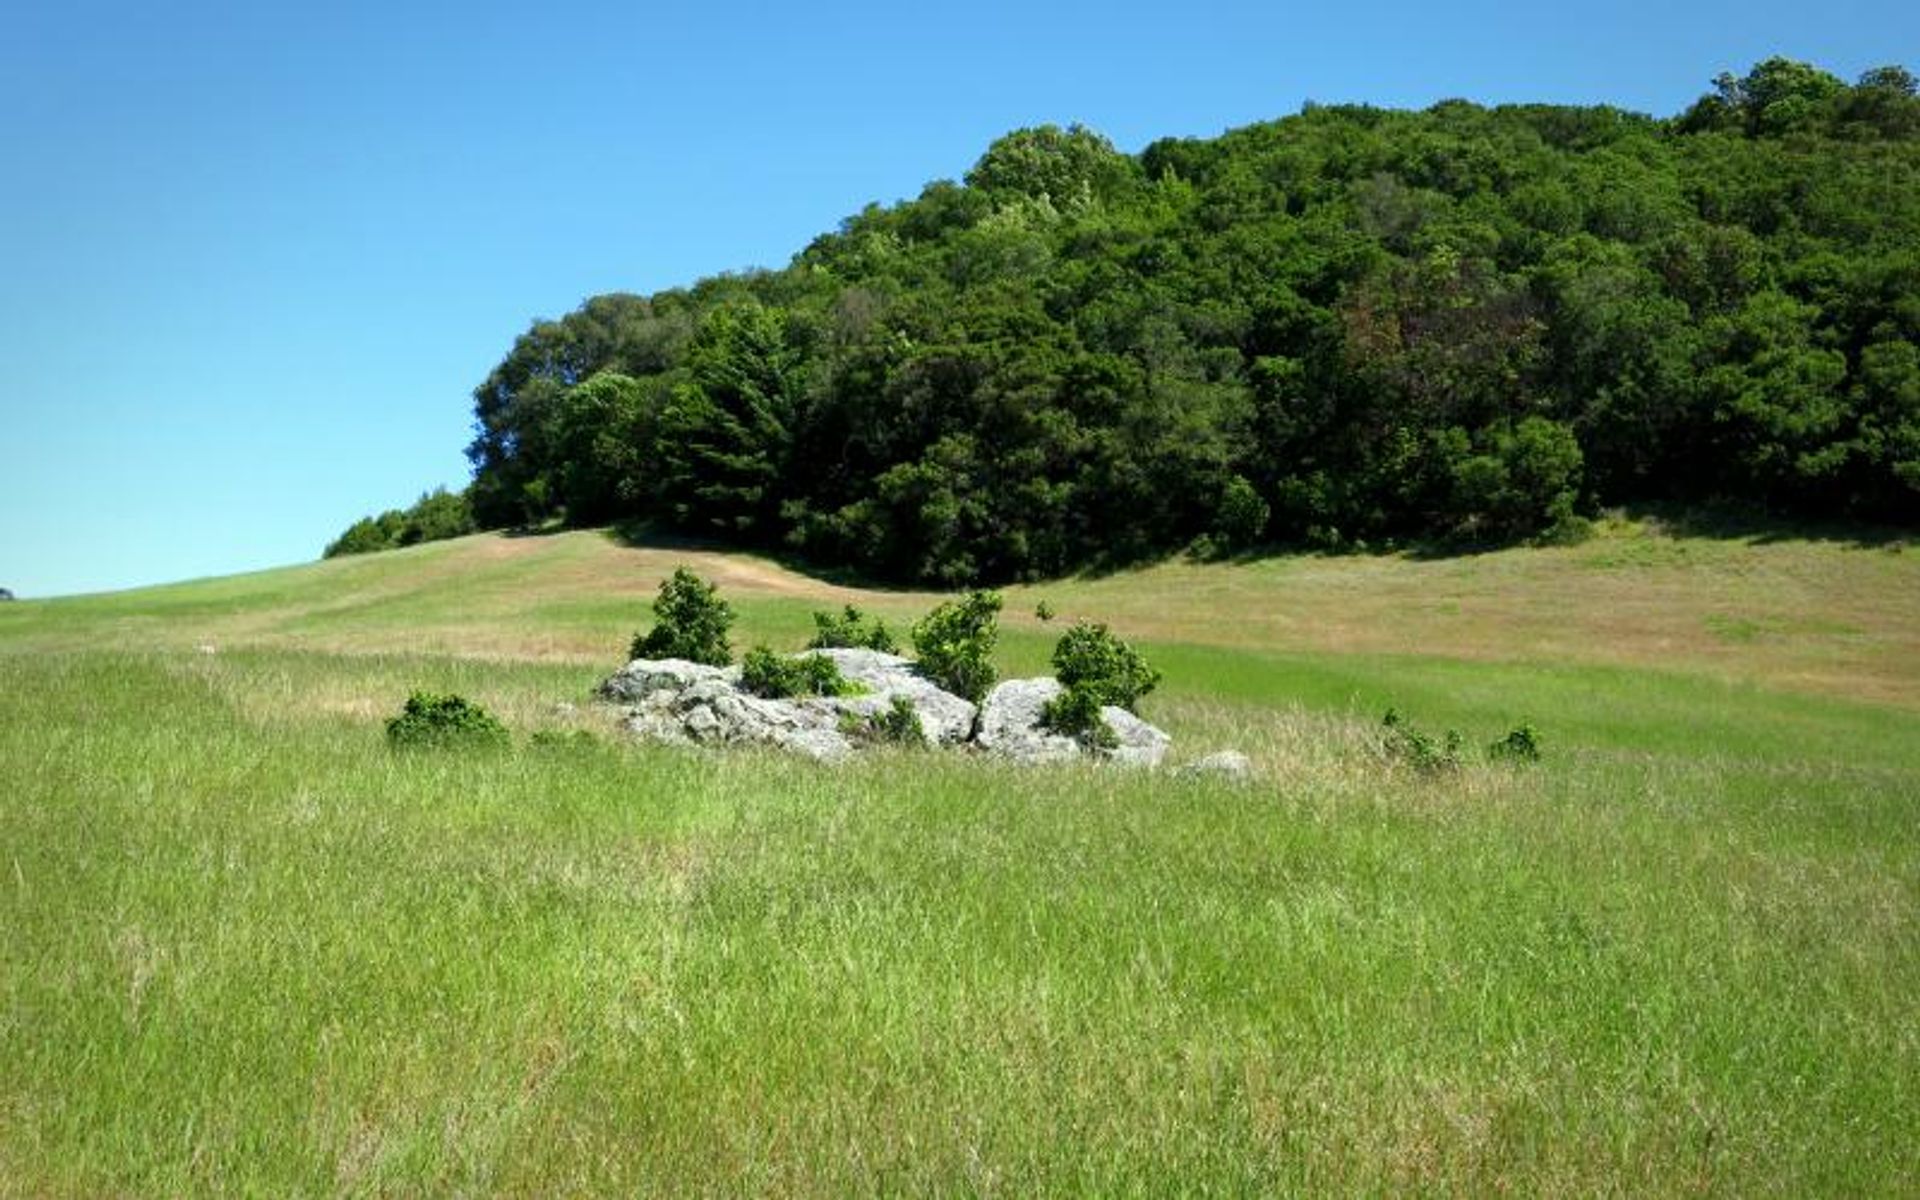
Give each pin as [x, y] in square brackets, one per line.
[1088, 658]
[690, 622]
[1522, 744]
[1044, 611]
[1420, 750]
[954, 644]
[1076, 713]
[851, 629]
[442, 722]
[436, 515]
[1240, 519]
[777, 677]
[1349, 327]
[899, 725]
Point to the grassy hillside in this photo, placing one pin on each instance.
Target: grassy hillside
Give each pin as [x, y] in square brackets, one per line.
[243, 947]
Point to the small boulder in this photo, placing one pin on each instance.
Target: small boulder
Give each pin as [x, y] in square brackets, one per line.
[646, 677]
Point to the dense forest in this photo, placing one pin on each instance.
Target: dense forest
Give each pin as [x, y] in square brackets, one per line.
[1350, 326]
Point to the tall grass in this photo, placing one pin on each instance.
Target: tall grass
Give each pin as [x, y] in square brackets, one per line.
[245, 948]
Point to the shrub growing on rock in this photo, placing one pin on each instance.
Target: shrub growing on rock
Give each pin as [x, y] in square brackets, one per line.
[434, 721]
[955, 641]
[1089, 658]
[899, 725]
[690, 622]
[851, 630]
[774, 677]
[1075, 713]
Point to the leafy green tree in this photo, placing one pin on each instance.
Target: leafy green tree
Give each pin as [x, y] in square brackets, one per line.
[1459, 322]
[726, 433]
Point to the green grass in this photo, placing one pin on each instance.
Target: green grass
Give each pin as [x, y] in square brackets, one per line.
[244, 948]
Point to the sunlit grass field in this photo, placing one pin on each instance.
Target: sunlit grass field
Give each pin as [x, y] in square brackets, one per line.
[244, 948]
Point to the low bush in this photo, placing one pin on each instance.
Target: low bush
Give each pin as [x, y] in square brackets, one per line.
[899, 725]
[1522, 744]
[1421, 750]
[434, 721]
[777, 677]
[690, 622]
[1075, 713]
[954, 644]
[1088, 658]
[851, 630]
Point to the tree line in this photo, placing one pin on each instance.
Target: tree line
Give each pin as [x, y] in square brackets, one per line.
[1349, 326]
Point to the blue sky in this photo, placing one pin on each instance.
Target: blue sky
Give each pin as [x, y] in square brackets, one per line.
[254, 257]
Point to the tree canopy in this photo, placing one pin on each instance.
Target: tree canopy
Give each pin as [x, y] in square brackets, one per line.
[1351, 324]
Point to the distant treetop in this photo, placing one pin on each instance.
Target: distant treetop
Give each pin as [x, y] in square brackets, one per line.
[1352, 326]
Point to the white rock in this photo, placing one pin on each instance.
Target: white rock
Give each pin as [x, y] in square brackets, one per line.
[946, 718]
[643, 677]
[1010, 727]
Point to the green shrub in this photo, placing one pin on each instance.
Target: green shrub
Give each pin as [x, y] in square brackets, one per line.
[776, 677]
[1089, 658]
[1075, 713]
[899, 725]
[1522, 744]
[691, 622]
[851, 630]
[1420, 750]
[1044, 611]
[955, 641]
[434, 721]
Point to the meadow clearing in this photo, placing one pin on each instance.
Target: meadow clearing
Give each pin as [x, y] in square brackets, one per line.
[245, 948]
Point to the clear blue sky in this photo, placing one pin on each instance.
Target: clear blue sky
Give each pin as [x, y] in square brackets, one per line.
[254, 257]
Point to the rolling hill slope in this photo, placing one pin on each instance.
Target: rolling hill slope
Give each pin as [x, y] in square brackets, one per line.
[244, 947]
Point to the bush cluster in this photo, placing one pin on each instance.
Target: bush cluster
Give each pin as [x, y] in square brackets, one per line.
[436, 515]
[777, 677]
[954, 644]
[690, 622]
[1429, 755]
[852, 629]
[1095, 669]
[899, 725]
[1522, 744]
[1419, 749]
[431, 720]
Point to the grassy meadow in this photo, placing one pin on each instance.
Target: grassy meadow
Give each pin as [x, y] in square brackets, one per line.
[244, 948]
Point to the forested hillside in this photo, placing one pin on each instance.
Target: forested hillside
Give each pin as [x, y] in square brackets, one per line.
[1349, 325]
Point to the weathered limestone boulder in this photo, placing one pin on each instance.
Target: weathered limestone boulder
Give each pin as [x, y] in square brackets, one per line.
[946, 718]
[645, 677]
[681, 702]
[1010, 728]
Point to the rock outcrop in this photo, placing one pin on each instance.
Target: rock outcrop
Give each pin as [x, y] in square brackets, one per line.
[672, 700]
[946, 718]
[1010, 727]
